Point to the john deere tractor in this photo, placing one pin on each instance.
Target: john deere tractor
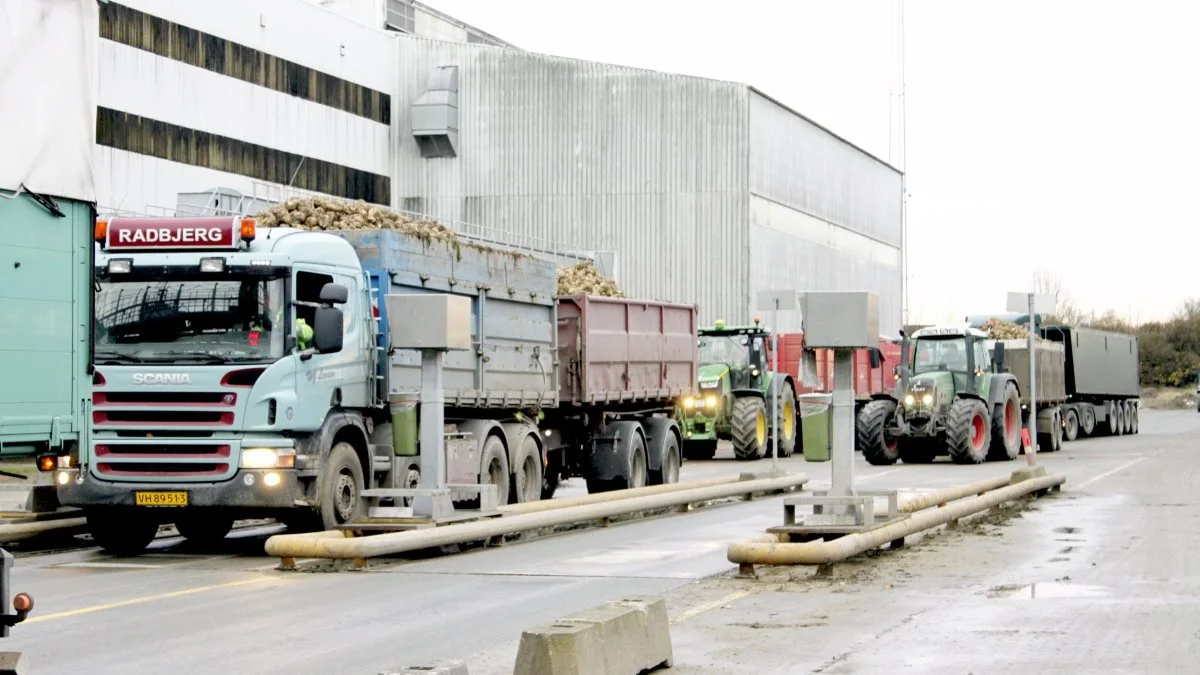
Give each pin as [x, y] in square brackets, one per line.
[733, 396]
[954, 399]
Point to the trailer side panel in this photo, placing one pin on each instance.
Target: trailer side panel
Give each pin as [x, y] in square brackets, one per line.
[1103, 364]
[1051, 370]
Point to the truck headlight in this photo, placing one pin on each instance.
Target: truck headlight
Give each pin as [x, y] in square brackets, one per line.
[268, 458]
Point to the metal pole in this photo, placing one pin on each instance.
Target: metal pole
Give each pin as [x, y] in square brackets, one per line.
[775, 388]
[1032, 378]
[433, 452]
[842, 482]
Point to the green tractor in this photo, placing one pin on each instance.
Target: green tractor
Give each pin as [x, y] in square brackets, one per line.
[955, 399]
[734, 392]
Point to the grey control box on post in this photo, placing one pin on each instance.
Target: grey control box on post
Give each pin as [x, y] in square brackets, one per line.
[436, 321]
[841, 320]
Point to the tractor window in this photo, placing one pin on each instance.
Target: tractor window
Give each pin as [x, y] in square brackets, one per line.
[948, 354]
[727, 350]
[983, 360]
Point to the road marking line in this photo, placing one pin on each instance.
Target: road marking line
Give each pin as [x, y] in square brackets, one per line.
[709, 606]
[106, 565]
[143, 600]
[877, 475]
[1124, 466]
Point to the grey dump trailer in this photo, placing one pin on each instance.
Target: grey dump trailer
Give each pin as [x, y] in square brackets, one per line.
[1050, 386]
[1101, 372]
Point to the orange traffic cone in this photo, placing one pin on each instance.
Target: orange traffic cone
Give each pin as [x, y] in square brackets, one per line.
[1028, 445]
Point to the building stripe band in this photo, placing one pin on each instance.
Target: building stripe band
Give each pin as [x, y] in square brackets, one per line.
[145, 136]
[139, 30]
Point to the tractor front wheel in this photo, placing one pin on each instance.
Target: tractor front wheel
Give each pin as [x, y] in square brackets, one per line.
[749, 428]
[967, 431]
[878, 445]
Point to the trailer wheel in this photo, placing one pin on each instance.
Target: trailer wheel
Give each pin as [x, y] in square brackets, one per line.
[1133, 413]
[1127, 413]
[749, 427]
[1119, 407]
[552, 474]
[204, 530]
[1006, 427]
[878, 445]
[1071, 425]
[340, 487]
[1087, 424]
[493, 467]
[669, 473]
[120, 533]
[662, 444]
[527, 479]
[967, 431]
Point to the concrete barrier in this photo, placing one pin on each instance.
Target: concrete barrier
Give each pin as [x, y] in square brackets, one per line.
[436, 668]
[622, 637]
[13, 663]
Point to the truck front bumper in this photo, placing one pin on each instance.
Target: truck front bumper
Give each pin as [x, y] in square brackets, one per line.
[248, 489]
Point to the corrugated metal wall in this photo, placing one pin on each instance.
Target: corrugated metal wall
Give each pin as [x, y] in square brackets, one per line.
[824, 215]
[589, 156]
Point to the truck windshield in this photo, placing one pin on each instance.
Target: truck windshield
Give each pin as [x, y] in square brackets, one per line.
[184, 319]
[946, 354]
[728, 350]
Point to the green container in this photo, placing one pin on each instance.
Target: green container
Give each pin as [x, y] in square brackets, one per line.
[404, 426]
[816, 422]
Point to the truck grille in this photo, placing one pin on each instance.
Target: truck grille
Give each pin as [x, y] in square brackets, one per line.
[143, 460]
[168, 409]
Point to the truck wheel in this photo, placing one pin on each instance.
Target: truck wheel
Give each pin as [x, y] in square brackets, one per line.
[663, 444]
[1006, 427]
[1127, 410]
[878, 445]
[749, 428]
[341, 487]
[1110, 422]
[1119, 409]
[787, 421]
[204, 530]
[916, 450]
[699, 450]
[1070, 425]
[121, 534]
[638, 469]
[1133, 414]
[669, 473]
[493, 468]
[552, 474]
[1056, 435]
[527, 479]
[1087, 424]
[967, 431]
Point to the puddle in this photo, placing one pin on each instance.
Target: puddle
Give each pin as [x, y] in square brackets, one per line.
[1045, 590]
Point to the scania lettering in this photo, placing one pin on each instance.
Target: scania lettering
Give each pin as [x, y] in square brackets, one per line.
[251, 375]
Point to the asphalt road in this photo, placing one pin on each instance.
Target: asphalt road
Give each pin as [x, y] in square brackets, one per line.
[965, 602]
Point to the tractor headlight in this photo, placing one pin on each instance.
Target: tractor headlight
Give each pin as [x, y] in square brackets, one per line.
[689, 402]
[927, 399]
[909, 400]
[710, 401]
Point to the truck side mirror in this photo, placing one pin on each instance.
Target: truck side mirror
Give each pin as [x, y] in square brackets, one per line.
[334, 294]
[327, 329]
[998, 357]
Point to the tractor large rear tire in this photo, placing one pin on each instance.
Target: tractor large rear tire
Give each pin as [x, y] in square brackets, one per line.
[878, 446]
[749, 428]
[1006, 427]
[967, 431]
[787, 421]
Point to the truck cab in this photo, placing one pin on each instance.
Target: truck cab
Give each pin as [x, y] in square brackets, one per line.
[222, 354]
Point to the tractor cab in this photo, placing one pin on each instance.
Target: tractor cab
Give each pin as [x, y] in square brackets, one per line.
[740, 350]
[961, 352]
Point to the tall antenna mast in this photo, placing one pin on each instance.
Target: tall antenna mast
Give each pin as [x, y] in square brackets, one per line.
[904, 176]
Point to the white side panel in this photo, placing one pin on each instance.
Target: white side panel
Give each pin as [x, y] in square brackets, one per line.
[139, 184]
[300, 32]
[141, 83]
[801, 165]
[790, 249]
[48, 96]
[431, 26]
[365, 12]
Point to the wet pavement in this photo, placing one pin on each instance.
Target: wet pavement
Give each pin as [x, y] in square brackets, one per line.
[1098, 578]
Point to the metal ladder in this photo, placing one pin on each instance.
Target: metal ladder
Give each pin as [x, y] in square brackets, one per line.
[378, 347]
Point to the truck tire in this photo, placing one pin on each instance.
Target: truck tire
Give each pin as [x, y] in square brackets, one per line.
[668, 473]
[699, 450]
[552, 474]
[1133, 413]
[122, 534]
[967, 431]
[1110, 421]
[1127, 413]
[527, 478]
[917, 450]
[493, 467]
[749, 428]
[878, 446]
[1070, 425]
[636, 470]
[1051, 441]
[787, 422]
[204, 530]
[1006, 427]
[1119, 409]
[1087, 422]
[340, 488]
[662, 444]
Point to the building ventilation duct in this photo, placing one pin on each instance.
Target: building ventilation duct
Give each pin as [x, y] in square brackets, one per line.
[435, 115]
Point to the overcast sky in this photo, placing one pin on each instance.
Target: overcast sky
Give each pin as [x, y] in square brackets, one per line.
[1057, 134]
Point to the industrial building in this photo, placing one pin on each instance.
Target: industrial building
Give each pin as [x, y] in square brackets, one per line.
[686, 189]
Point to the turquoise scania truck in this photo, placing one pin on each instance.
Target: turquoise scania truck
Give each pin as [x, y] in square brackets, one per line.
[246, 372]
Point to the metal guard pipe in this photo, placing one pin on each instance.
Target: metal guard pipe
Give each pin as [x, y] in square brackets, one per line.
[771, 551]
[929, 499]
[10, 532]
[301, 546]
[599, 498]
